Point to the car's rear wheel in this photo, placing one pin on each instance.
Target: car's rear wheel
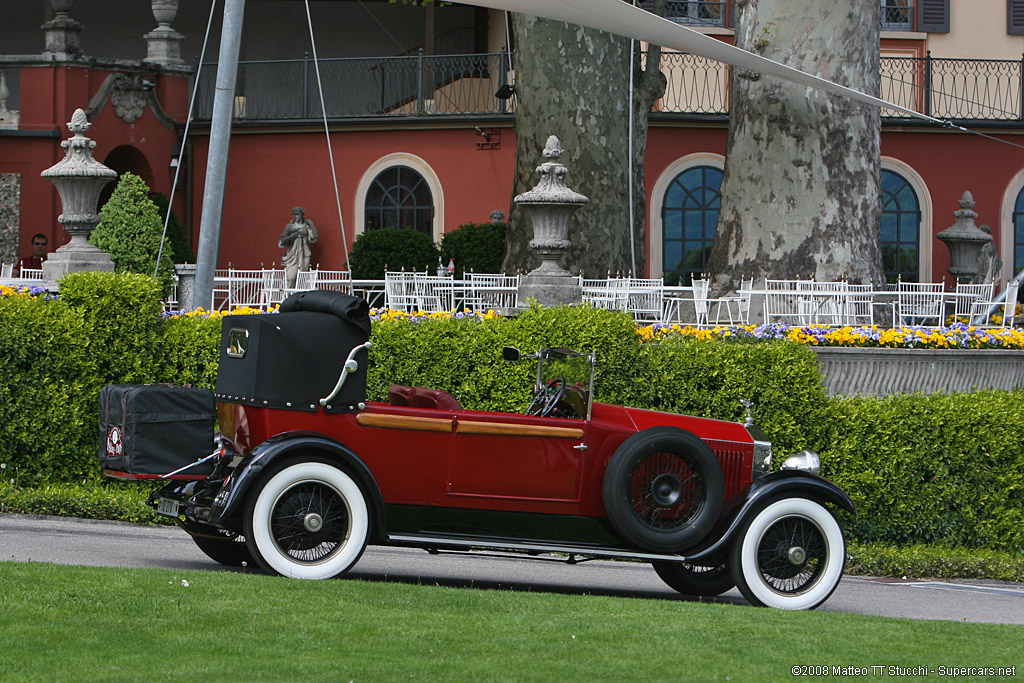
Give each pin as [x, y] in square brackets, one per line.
[231, 552]
[663, 489]
[308, 520]
[694, 579]
[789, 555]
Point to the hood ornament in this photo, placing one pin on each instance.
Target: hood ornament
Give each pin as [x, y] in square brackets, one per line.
[748, 405]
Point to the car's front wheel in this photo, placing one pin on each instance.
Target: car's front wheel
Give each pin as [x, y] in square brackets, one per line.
[308, 520]
[693, 579]
[789, 555]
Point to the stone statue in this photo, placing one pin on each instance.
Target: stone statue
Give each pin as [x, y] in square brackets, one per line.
[990, 266]
[296, 238]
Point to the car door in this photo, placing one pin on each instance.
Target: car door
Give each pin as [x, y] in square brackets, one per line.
[499, 455]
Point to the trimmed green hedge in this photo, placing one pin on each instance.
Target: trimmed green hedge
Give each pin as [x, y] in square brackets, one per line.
[938, 470]
[56, 355]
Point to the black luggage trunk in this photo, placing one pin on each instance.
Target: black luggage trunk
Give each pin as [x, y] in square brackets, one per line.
[152, 429]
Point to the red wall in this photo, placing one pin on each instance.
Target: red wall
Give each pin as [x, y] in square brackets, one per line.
[49, 96]
[269, 174]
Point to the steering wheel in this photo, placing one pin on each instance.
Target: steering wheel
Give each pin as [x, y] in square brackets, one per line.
[544, 402]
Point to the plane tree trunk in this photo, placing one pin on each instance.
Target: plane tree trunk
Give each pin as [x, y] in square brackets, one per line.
[800, 195]
[573, 83]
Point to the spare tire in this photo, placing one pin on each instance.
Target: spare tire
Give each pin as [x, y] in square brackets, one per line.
[663, 489]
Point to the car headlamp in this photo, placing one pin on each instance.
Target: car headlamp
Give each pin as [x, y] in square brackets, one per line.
[806, 461]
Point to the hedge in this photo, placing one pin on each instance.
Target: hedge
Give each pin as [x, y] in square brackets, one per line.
[922, 469]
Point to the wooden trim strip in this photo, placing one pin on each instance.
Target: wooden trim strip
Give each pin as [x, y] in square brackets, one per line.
[505, 429]
[423, 424]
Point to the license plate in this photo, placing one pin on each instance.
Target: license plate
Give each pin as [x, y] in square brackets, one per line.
[167, 506]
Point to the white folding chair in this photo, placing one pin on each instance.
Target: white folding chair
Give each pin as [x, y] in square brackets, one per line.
[336, 280]
[782, 302]
[272, 282]
[399, 291]
[822, 303]
[703, 304]
[6, 270]
[433, 293]
[967, 295]
[859, 305]
[493, 291]
[245, 288]
[645, 299]
[980, 315]
[31, 273]
[918, 303]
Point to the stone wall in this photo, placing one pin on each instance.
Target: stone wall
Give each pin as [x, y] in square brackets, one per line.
[10, 216]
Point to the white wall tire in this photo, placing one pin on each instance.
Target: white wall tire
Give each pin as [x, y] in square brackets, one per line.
[789, 555]
[308, 521]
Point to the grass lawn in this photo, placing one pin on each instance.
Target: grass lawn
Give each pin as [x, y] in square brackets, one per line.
[99, 624]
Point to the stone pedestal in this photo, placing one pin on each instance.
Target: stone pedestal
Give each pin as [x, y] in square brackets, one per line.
[550, 206]
[163, 44]
[62, 32]
[186, 285]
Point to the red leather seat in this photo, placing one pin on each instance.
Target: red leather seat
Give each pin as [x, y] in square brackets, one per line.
[421, 397]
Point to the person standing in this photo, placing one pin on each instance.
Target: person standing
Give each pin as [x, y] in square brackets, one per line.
[296, 238]
[34, 260]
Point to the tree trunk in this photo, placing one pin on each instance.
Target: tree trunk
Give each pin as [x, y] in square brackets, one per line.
[800, 196]
[573, 83]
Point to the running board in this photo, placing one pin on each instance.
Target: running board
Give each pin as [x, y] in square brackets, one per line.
[424, 541]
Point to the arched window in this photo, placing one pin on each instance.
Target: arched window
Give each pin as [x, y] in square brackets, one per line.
[901, 218]
[399, 197]
[689, 219]
[1018, 234]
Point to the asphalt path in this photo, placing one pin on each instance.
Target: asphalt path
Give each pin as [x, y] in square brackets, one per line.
[58, 540]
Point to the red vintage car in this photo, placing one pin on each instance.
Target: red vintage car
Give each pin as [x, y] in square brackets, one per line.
[307, 472]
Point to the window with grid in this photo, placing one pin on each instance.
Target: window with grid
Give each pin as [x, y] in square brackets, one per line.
[901, 221]
[696, 12]
[897, 15]
[1018, 233]
[399, 197]
[689, 219]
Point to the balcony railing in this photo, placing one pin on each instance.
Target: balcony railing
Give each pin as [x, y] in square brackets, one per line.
[462, 85]
[958, 89]
[361, 87]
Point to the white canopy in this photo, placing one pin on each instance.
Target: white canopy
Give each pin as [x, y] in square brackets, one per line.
[621, 18]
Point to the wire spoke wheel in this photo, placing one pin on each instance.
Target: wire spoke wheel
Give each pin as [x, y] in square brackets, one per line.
[789, 554]
[310, 521]
[663, 489]
[666, 490]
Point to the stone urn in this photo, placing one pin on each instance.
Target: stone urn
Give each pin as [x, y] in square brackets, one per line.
[965, 241]
[550, 207]
[79, 179]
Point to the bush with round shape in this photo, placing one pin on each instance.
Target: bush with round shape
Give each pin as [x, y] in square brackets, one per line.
[375, 251]
[475, 247]
[130, 230]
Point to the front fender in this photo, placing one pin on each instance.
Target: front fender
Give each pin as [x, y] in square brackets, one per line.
[229, 502]
[784, 483]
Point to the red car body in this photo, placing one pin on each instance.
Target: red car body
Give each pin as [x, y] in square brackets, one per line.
[305, 476]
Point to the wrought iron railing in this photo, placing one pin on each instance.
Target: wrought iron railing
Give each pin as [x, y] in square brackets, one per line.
[696, 12]
[358, 87]
[897, 15]
[459, 85]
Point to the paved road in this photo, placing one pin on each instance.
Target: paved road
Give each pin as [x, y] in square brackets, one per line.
[114, 544]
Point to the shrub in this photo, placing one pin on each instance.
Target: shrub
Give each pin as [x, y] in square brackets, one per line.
[933, 469]
[375, 251]
[177, 236]
[130, 230]
[475, 247]
[56, 355]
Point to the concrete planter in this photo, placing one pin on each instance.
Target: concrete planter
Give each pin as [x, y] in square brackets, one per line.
[880, 372]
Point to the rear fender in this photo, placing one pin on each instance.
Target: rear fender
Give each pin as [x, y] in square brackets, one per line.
[781, 484]
[229, 502]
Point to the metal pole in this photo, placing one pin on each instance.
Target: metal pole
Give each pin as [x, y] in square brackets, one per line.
[217, 161]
